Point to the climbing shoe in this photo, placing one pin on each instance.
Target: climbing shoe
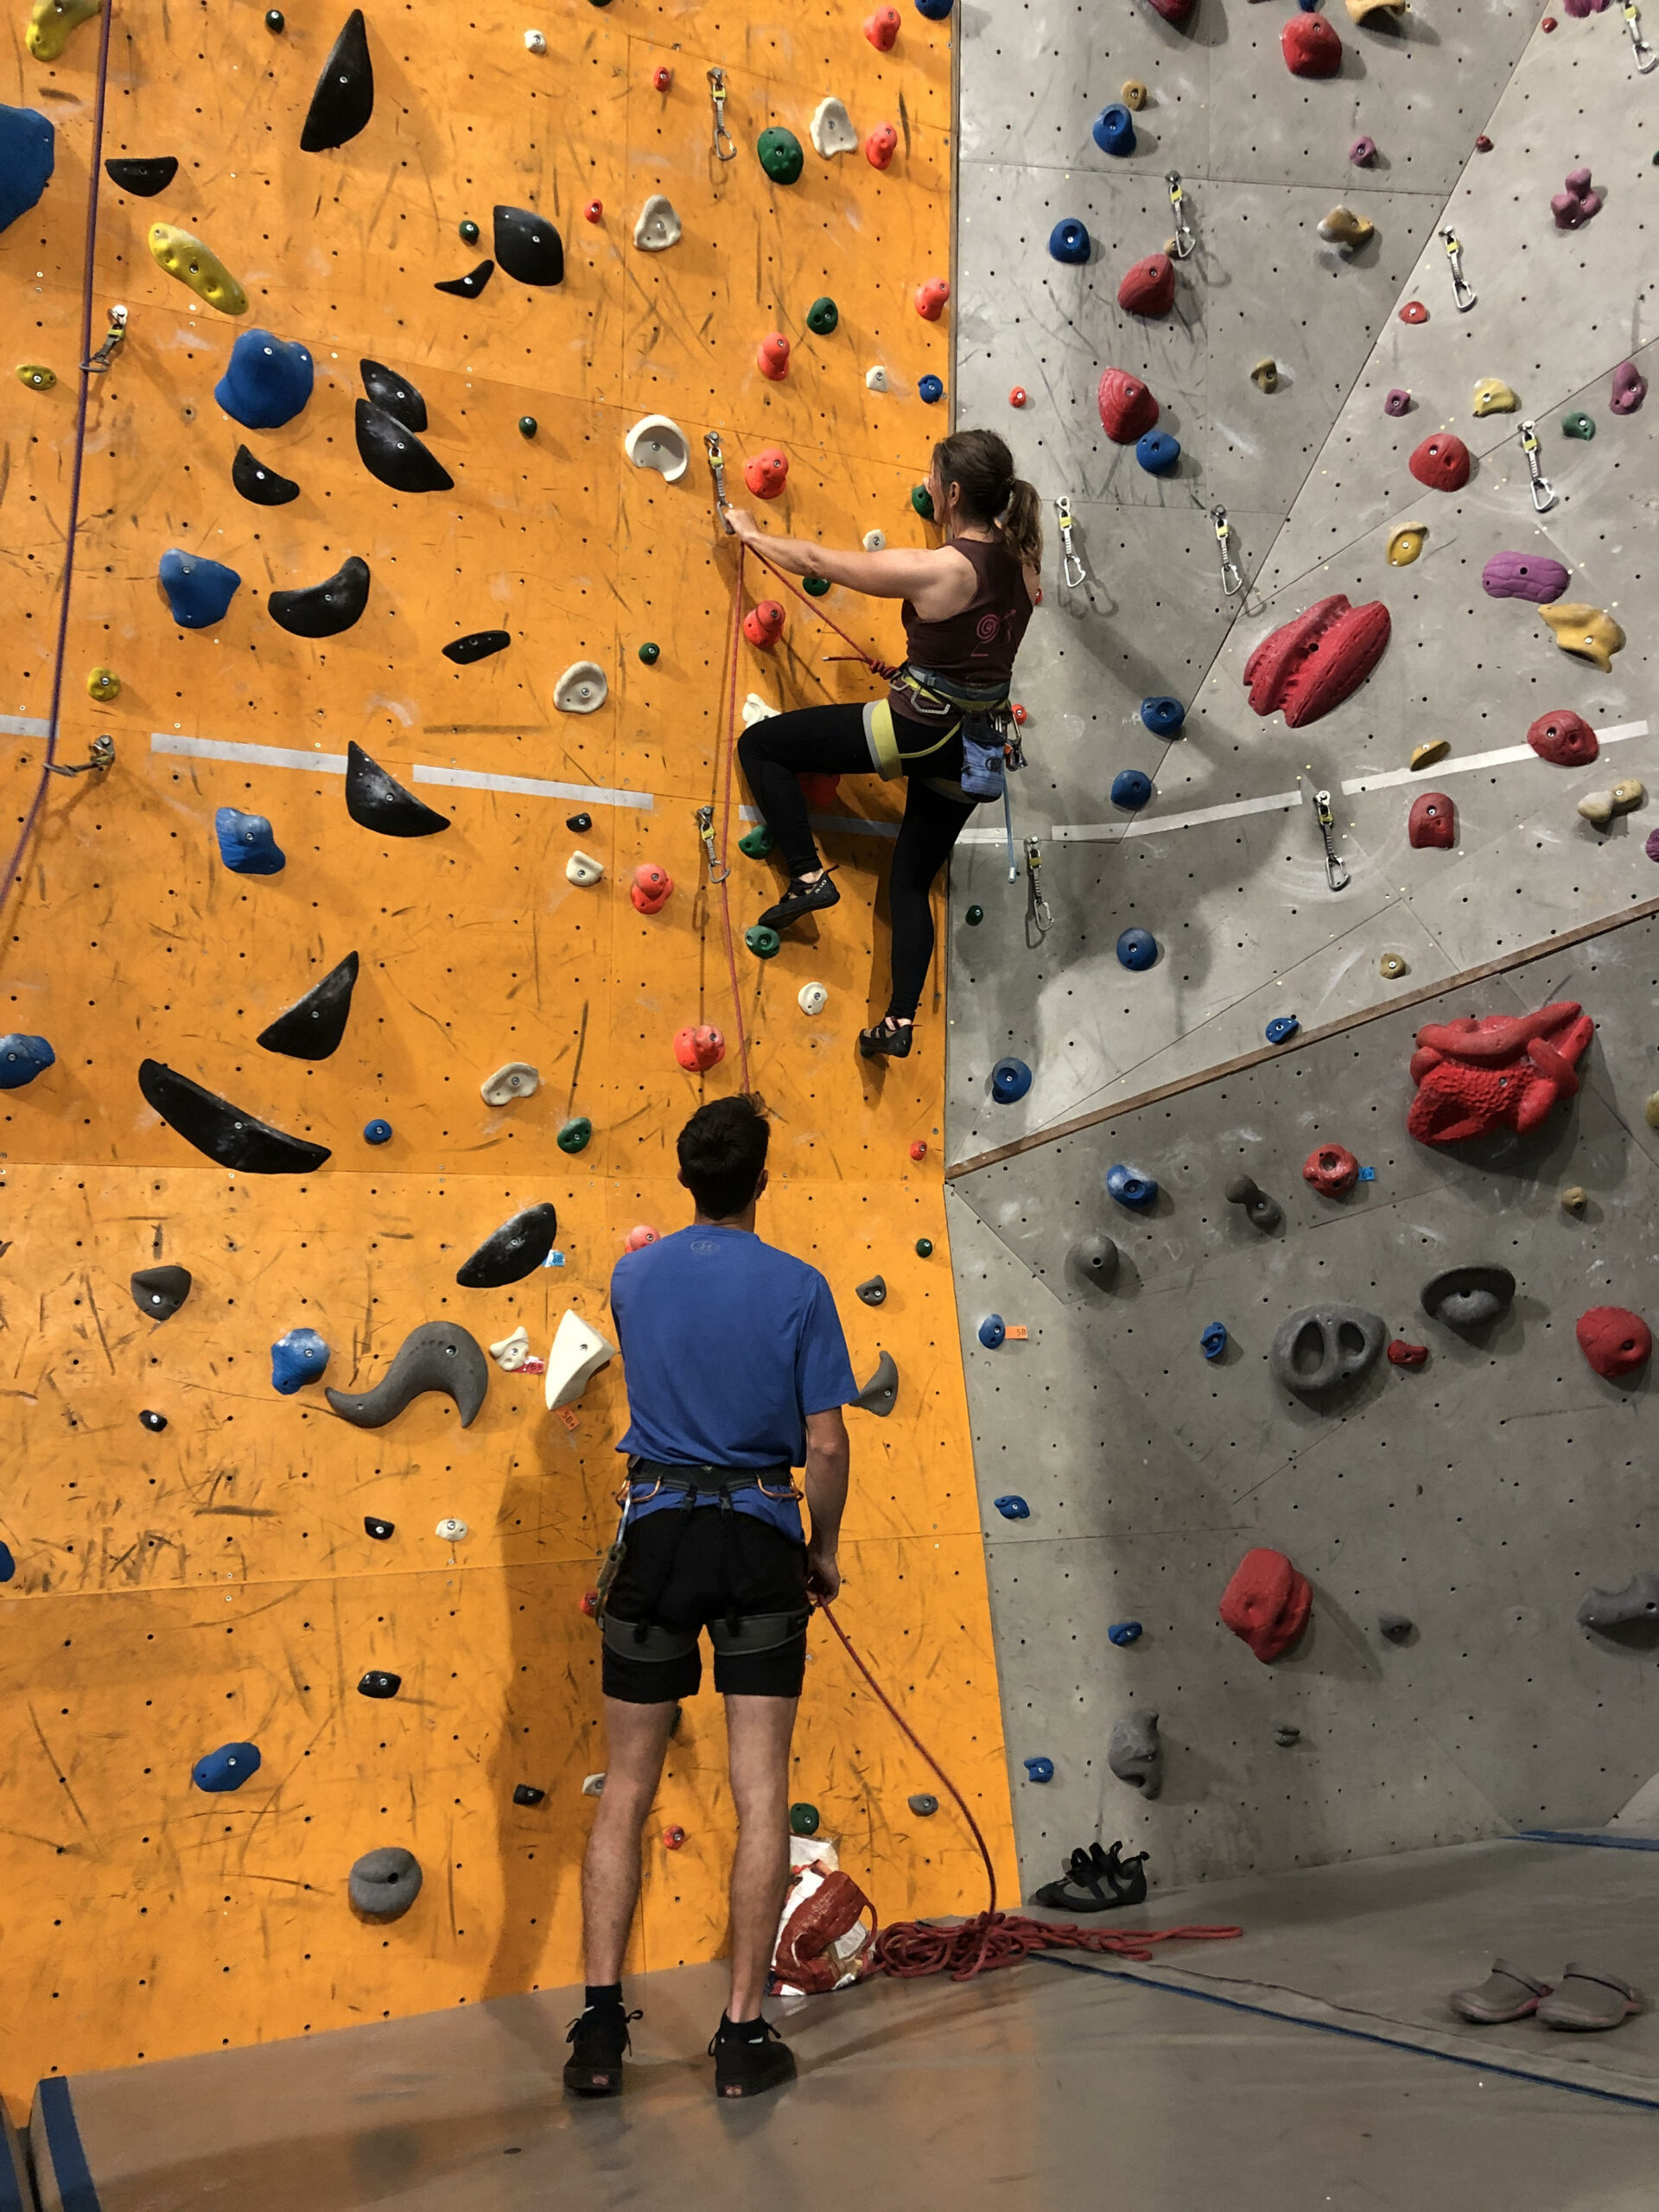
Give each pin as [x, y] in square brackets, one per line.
[1097, 1881]
[889, 1039]
[800, 900]
[597, 2038]
[750, 2058]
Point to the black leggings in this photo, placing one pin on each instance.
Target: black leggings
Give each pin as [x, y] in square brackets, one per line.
[830, 741]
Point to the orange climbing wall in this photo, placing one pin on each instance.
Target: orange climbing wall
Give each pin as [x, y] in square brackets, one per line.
[214, 1582]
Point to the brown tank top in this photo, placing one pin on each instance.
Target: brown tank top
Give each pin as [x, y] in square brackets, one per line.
[979, 644]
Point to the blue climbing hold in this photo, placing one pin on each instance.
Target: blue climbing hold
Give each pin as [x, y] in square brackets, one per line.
[22, 1058]
[931, 390]
[199, 593]
[1124, 1632]
[1157, 452]
[227, 1768]
[1115, 130]
[1163, 716]
[1010, 1079]
[1130, 1188]
[268, 382]
[992, 1330]
[8, 1565]
[935, 10]
[377, 1132]
[1069, 240]
[1040, 1770]
[296, 1359]
[1131, 788]
[1011, 1508]
[1137, 948]
[26, 158]
[1213, 1341]
[247, 843]
[1283, 1025]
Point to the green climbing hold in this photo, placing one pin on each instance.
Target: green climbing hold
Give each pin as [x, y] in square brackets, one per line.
[651, 654]
[762, 942]
[922, 500]
[758, 843]
[803, 1820]
[1579, 425]
[528, 426]
[824, 315]
[469, 232]
[924, 1248]
[973, 917]
[780, 155]
[574, 1136]
[816, 587]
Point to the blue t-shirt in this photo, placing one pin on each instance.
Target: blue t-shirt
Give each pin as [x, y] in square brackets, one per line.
[728, 1345]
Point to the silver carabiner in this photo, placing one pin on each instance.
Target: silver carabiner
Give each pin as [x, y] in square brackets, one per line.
[1231, 581]
[717, 94]
[112, 337]
[1642, 52]
[1462, 291]
[1070, 558]
[717, 465]
[1184, 241]
[1037, 917]
[1543, 492]
[706, 831]
[1335, 873]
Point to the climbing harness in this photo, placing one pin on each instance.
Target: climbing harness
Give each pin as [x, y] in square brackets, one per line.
[1641, 52]
[735, 1631]
[717, 872]
[101, 755]
[1231, 581]
[1185, 242]
[1462, 291]
[1037, 917]
[724, 149]
[1335, 873]
[96, 364]
[1070, 558]
[1543, 492]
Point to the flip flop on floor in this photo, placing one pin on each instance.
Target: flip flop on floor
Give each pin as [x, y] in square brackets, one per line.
[1587, 1998]
[1506, 1994]
[1098, 1881]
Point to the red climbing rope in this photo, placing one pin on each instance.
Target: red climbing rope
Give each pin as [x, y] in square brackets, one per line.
[728, 772]
[910, 1948]
[877, 667]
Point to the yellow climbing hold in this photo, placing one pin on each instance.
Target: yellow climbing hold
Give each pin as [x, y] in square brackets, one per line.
[37, 378]
[1650, 1111]
[1134, 94]
[195, 264]
[1424, 756]
[1493, 397]
[1362, 11]
[1588, 632]
[1392, 964]
[104, 683]
[1343, 228]
[1406, 543]
[50, 24]
[1265, 375]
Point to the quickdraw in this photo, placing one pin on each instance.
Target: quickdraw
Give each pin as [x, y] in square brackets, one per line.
[717, 468]
[726, 151]
[1185, 242]
[1462, 291]
[1641, 52]
[717, 872]
[1543, 492]
[1037, 915]
[98, 362]
[1070, 558]
[1335, 873]
[1231, 581]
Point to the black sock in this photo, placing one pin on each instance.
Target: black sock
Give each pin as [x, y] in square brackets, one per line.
[604, 1996]
[753, 2031]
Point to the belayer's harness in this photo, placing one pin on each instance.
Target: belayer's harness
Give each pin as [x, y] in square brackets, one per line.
[735, 1632]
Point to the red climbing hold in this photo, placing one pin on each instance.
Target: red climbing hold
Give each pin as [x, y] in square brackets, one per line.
[931, 298]
[590, 1604]
[772, 358]
[673, 1838]
[1172, 12]
[1400, 1354]
[1310, 664]
[764, 623]
[1267, 1603]
[881, 145]
[919, 1149]
[881, 28]
[1548, 23]
[1481, 1071]
[1017, 396]
[1413, 311]
[662, 77]
[1330, 1169]
[652, 888]
[1614, 1340]
[1149, 287]
[593, 211]
[1441, 462]
[765, 474]
[698, 1049]
[1128, 410]
[1433, 823]
[818, 790]
[1311, 47]
[1483, 144]
[638, 1237]
[1565, 737]
[1018, 712]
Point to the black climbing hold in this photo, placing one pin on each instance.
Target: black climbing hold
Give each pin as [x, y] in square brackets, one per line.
[527, 1794]
[1396, 1626]
[1264, 1213]
[160, 1292]
[872, 1291]
[8, 1564]
[313, 1026]
[438, 1355]
[224, 1132]
[973, 917]
[469, 286]
[528, 426]
[379, 801]
[324, 610]
[261, 484]
[1324, 1345]
[528, 246]
[155, 1421]
[395, 455]
[578, 822]
[344, 99]
[384, 1883]
[924, 1248]
[377, 1684]
[274, 21]
[469, 232]
[1464, 1298]
[380, 1530]
[881, 1393]
[516, 1249]
[924, 1804]
[1286, 1734]
[477, 645]
[396, 394]
[142, 177]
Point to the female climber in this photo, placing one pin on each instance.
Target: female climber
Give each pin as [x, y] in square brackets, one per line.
[945, 720]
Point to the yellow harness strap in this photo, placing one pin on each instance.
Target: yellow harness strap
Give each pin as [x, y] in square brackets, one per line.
[883, 742]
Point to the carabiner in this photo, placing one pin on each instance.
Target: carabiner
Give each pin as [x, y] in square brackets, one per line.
[1070, 557]
[706, 831]
[1037, 917]
[1335, 873]
[1462, 291]
[717, 94]
[1543, 492]
[1642, 52]
[717, 465]
[1184, 241]
[112, 337]
[1231, 581]
[101, 755]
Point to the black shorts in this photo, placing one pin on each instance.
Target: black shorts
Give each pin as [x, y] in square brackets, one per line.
[686, 1566]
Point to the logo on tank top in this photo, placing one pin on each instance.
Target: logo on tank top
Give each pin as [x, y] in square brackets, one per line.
[988, 626]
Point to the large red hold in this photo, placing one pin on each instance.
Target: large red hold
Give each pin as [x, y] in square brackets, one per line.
[1442, 461]
[1267, 1603]
[1149, 287]
[1310, 664]
[1563, 737]
[1331, 1169]
[1310, 47]
[1614, 1340]
[1432, 824]
[1128, 410]
[1481, 1072]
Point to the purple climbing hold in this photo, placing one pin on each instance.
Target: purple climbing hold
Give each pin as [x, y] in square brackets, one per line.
[1651, 849]
[1397, 402]
[1629, 389]
[1577, 202]
[1524, 575]
[1362, 153]
[1583, 7]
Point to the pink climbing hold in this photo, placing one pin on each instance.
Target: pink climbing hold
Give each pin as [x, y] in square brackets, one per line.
[773, 357]
[698, 1050]
[764, 624]
[881, 145]
[1413, 311]
[1432, 824]
[1310, 47]
[1524, 575]
[1583, 7]
[1629, 389]
[1565, 737]
[1479, 1072]
[1362, 153]
[1331, 1169]
[766, 474]
[652, 888]
[1577, 203]
[1311, 664]
[638, 1236]
[1441, 462]
[1651, 848]
[1267, 1603]
[931, 298]
[1614, 1340]
[1149, 287]
[1128, 410]
[882, 28]
[1172, 12]
[1397, 402]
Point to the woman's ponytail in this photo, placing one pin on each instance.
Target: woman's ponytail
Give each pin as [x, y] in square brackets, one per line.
[1020, 525]
[992, 495]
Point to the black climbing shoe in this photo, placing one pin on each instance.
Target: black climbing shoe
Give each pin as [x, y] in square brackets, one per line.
[801, 898]
[1098, 1881]
[889, 1038]
[751, 2059]
[598, 2039]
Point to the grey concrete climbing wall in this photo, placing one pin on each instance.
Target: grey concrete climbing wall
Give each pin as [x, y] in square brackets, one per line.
[1484, 1494]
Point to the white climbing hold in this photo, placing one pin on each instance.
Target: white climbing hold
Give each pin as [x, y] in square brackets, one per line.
[583, 869]
[577, 1354]
[512, 1352]
[582, 689]
[875, 541]
[535, 42]
[812, 998]
[831, 128]
[877, 379]
[657, 442]
[517, 1080]
[453, 1532]
[755, 709]
[658, 226]
[592, 1785]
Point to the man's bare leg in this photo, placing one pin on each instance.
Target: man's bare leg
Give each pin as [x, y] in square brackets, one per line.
[758, 1731]
[637, 1738]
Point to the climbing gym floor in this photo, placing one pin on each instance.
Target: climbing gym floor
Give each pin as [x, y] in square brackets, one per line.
[1311, 2063]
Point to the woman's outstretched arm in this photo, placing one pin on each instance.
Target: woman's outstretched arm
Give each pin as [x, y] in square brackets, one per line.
[917, 573]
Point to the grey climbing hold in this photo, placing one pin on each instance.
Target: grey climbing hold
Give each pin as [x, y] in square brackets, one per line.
[262, 486]
[1466, 1298]
[1396, 1626]
[1095, 1259]
[881, 1393]
[1638, 1601]
[344, 99]
[872, 1291]
[384, 1883]
[1134, 1753]
[515, 1250]
[395, 456]
[1262, 1212]
[224, 1132]
[313, 1026]
[396, 394]
[438, 1355]
[1324, 1345]
[1285, 1735]
[377, 1684]
[379, 801]
[160, 1292]
[529, 247]
[924, 1804]
[324, 610]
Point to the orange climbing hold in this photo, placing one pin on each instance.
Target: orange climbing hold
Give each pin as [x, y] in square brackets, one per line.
[697, 1050]
[931, 298]
[764, 624]
[772, 358]
[766, 474]
[1017, 396]
[652, 888]
[882, 28]
[881, 145]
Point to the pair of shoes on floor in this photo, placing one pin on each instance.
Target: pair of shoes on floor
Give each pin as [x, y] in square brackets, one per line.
[889, 1038]
[1584, 1998]
[1097, 1881]
[800, 900]
[749, 2058]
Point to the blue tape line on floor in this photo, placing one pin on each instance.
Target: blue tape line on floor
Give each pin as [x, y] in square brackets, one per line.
[74, 2175]
[1592, 1837]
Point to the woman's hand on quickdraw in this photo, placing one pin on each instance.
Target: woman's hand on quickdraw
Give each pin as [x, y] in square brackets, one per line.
[743, 524]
